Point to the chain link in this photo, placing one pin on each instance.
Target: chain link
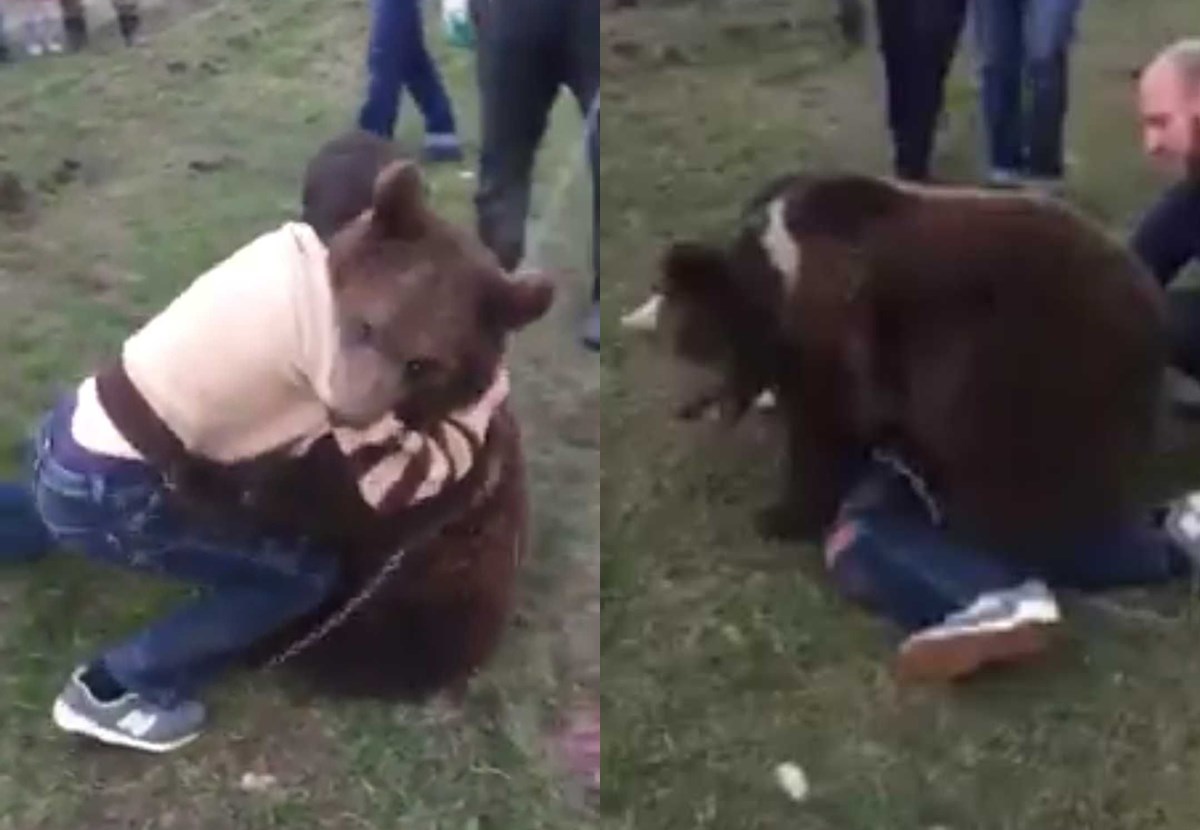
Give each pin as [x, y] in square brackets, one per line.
[389, 567]
[918, 484]
[337, 620]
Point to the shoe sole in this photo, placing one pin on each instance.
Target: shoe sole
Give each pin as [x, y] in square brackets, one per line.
[68, 720]
[944, 659]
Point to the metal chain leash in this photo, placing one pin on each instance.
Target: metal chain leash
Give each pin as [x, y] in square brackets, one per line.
[385, 571]
[344, 613]
[919, 485]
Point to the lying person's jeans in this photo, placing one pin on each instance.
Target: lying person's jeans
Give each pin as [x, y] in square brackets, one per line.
[117, 511]
[890, 553]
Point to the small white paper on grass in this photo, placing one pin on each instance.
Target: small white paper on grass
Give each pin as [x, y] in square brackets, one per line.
[253, 782]
[793, 780]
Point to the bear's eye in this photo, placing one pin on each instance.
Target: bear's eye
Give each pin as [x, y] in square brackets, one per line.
[418, 369]
[359, 332]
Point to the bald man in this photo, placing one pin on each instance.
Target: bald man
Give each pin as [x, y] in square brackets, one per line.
[1168, 237]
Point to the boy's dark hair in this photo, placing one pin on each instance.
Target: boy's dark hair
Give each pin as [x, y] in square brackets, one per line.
[340, 180]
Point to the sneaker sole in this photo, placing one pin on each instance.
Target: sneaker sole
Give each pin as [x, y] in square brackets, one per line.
[68, 720]
[940, 660]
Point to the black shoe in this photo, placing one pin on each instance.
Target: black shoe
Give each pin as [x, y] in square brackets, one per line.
[129, 23]
[77, 33]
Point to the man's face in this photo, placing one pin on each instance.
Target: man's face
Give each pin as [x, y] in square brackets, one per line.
[1170, 116]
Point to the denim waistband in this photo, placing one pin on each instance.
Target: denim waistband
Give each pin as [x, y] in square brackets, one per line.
[58, 443]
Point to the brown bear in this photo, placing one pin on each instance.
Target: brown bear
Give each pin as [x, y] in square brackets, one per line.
[1003, 343]
[435, 619]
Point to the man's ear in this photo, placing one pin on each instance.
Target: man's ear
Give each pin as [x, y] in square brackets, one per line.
[691, 269]
[398, 202]
[513, 304]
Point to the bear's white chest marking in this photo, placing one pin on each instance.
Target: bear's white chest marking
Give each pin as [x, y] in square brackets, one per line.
[781, 247]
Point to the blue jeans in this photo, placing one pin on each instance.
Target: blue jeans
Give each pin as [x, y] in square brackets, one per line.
[118, 512]
[892, 554]
[397, 59]
[1025, 41]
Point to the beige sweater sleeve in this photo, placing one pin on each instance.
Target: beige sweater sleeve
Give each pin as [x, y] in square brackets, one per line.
[397, 467]
[230, 365]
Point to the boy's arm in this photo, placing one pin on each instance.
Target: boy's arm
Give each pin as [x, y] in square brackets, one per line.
[397, 467]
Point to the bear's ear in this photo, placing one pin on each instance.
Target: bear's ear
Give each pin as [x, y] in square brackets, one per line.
[693, 269]
[398, 203]
[513, 304]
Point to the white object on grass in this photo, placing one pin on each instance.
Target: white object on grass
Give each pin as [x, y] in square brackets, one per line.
[645, 316]
[253, 782]
[793, 780]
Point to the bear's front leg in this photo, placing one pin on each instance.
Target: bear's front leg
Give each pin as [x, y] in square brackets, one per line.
[802, 513]
[813, 483]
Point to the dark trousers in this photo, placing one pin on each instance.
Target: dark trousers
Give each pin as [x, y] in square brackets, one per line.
[398, 60]
[1166, 240]
[527, 51]
[918, 41]
[896, 558]
[1183, 317]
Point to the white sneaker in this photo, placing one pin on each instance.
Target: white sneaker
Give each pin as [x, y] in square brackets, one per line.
[1182, 524]
[1002, 626]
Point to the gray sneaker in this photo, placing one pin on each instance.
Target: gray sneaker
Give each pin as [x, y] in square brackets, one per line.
[128, 721]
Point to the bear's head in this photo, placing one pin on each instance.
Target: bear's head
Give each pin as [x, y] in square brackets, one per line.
[731, 311]
[423, 308]
[714, 309]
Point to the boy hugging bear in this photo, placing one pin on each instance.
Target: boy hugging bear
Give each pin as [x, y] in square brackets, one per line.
[368, 355]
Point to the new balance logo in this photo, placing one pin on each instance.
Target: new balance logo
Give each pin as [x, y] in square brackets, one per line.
[137, 723]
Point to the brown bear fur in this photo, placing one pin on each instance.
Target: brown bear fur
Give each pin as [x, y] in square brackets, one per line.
[424, 308]
[439, 618]
[1003, 343]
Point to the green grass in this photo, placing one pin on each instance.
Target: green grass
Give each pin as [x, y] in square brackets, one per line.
[252, 88]
[725, 655]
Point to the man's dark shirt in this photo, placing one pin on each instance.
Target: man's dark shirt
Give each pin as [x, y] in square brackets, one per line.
[1167, 240]
[1168, 236]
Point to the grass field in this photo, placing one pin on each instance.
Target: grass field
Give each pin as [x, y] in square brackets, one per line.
[725, 655]
[147, 166]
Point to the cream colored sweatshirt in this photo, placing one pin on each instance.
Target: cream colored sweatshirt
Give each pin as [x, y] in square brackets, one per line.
[239, 366]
